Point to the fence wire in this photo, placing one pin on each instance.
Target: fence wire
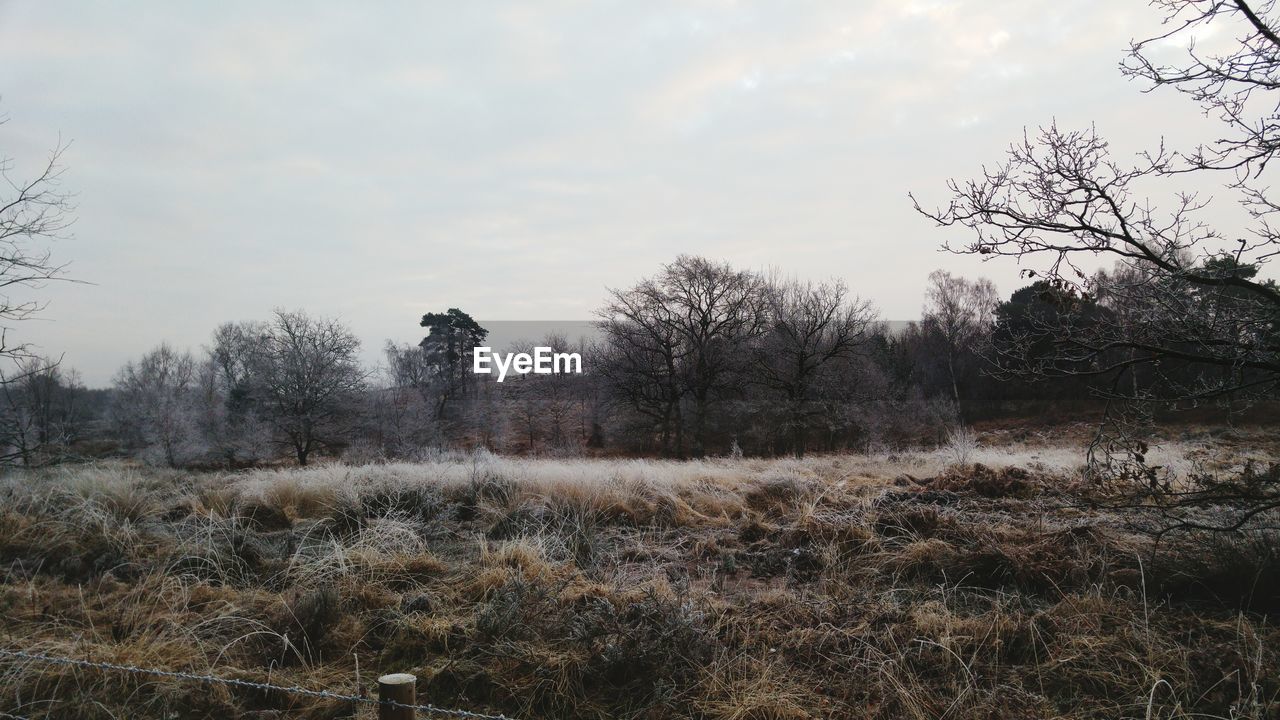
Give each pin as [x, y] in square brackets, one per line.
[247, 684]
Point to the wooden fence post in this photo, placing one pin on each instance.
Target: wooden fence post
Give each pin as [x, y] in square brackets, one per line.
[399, 688]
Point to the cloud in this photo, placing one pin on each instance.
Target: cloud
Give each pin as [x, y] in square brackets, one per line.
[514, 159]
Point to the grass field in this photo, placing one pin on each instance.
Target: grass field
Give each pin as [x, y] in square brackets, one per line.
[951, 583]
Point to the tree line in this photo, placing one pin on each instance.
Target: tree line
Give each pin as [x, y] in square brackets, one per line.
[704, 358]
[700, 358]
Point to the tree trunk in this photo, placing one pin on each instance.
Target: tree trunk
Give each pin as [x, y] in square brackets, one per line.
[303, 449]
[700, 425]
[799, 435]
[955, 386]
[679, 427]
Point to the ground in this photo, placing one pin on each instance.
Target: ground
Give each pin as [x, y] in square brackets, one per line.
[956, 582]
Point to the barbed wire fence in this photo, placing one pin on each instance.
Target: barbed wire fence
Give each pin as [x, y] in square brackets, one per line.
[428, 710]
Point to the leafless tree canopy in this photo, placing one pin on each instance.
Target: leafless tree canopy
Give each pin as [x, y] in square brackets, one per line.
[33, 211]
[961, 312]
[1197, 299]
[42, 412]
[1186, 313]
[307, 375]
[683, 334]
[701, 341]
[153, 407]
[813, 330]
[1233, 86]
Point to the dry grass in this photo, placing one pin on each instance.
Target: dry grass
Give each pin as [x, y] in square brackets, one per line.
[890, 585]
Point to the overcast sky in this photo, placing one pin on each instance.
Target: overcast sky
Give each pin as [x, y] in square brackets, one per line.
[375, 161]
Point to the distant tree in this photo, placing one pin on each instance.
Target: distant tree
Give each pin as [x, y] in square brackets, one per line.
[408, 366]
[683, 335]
[527, 411]
[1060, 199]
[960, 312]
[811, 329]
[716, 311]
[591, 394]
[1024, 354]
[486, 415]
[228, 407]
[154, 405]
[41, 412]
[307, 377]
[232, 357]
[447, 351]
[401, 419]
[1029, 325]
[641, 360]
[557, 398]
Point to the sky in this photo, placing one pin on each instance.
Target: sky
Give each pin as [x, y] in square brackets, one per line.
[376, 161]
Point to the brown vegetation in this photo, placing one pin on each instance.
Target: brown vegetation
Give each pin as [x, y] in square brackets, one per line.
[844, 586]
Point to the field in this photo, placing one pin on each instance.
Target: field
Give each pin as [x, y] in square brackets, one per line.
[949, 583]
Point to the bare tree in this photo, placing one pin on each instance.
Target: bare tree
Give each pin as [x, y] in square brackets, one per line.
[716, 311]
[961, 313]
[812, 327]
[541, 407]
[306, 375]
[1061, 197]
[1210, 319]
[527, 407]
[401, 417]
[591, 394]
[683, 334]
[409, 367]
[41, 412]
[33, 212]
[232, 354]
[154, 405]
[642, 358]
[228, 412]
[558, 397]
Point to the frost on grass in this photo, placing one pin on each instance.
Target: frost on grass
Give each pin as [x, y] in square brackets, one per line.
[891, 584]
